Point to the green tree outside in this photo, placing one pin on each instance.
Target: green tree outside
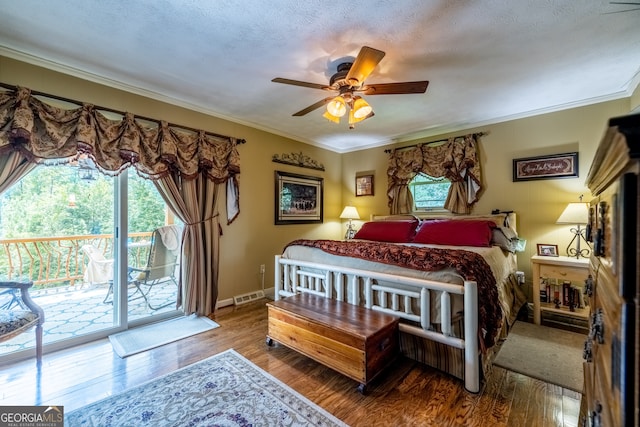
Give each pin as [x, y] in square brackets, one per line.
[429, 192]
[57, 201]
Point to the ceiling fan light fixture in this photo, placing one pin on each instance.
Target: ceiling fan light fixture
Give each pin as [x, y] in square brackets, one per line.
[327, 115]
[349, 80]
[361, 108]
[337, 106]
[353, 120]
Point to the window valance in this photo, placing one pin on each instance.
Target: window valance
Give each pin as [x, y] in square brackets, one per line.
[44, 133]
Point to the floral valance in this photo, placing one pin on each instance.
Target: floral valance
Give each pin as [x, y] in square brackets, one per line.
[456, 159]
[44, 133]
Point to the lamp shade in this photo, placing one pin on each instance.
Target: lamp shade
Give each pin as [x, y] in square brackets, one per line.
[337, 106]
[574, 213]
[361, 109]
[349, 212]
[327, 115]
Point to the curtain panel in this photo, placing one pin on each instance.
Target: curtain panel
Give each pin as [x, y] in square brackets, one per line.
[456, 160]
[188, 168]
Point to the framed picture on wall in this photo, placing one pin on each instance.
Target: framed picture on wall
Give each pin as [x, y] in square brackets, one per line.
[364, 185]
[298, 199]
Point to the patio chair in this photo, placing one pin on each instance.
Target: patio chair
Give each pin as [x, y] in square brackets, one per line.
[23, 316]
[10, 298]
[99, 269]
[161, 264]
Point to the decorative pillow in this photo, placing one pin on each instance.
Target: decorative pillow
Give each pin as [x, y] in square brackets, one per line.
[388, 231]
[504, 237]
[455, 232]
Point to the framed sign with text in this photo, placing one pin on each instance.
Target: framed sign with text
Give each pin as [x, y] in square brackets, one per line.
[546, 167]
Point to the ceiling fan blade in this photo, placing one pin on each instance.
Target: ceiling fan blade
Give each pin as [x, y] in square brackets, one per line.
[364, 64]
[312, 107]
[395, 88]
[621, 11]
[303, 84]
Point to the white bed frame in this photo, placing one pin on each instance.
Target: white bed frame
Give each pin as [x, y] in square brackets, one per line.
[348, 284]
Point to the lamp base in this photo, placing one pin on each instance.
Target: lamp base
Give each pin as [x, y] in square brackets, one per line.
[578, 252]
[351, 232]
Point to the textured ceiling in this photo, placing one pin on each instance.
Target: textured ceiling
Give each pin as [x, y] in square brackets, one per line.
[487, 61]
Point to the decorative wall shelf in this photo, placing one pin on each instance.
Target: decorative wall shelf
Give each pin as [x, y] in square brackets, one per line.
[298, 159]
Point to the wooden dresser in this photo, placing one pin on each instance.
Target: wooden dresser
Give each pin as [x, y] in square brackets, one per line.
[611, 351]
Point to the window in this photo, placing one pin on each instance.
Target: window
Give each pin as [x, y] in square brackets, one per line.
[429, 192]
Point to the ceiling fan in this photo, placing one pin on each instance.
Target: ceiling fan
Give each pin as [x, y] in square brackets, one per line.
[349, 82]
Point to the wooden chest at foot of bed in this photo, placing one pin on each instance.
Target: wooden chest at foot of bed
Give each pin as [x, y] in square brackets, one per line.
[355, 341]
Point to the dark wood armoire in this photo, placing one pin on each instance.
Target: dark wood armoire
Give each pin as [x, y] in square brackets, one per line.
[611, 349]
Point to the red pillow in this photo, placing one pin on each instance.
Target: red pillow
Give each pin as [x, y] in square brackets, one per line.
[387, 231]
[455, 232]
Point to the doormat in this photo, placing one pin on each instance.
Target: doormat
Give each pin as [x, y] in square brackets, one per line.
[548, 354]
[147, 337]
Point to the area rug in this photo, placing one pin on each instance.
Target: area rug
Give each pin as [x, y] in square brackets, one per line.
[548, 354]
[223, 390]
[147, 337]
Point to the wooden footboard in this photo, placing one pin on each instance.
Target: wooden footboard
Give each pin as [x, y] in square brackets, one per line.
[405, 297]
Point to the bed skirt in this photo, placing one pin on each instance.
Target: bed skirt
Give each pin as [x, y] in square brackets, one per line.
[450, 359]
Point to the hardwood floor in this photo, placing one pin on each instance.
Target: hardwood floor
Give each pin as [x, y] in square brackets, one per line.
[407, 394]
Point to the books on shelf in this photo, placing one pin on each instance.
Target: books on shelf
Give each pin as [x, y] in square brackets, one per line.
[566, 293]
[544, 289]
[563, 293]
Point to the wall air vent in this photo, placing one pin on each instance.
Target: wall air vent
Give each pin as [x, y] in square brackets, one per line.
[245, 298]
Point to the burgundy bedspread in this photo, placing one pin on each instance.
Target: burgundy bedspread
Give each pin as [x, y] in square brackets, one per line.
[470, 265]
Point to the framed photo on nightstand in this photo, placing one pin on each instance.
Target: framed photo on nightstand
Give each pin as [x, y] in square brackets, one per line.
[547, 250]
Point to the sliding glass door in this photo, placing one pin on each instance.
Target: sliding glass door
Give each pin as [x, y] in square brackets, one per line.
[152, 251]
[88, 242]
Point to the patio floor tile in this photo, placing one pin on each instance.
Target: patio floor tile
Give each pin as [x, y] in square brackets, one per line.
[74, 311]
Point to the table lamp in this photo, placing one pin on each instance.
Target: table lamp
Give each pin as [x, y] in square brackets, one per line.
[578, 214]
[350, 213]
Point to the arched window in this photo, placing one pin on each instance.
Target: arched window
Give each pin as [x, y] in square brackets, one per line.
[428, 192]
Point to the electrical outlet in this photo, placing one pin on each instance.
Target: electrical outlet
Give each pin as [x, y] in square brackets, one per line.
[262, 268]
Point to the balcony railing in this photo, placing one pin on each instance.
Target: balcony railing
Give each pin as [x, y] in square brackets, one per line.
[58, 261]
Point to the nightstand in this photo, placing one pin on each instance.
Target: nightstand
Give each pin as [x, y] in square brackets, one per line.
[556, 271]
